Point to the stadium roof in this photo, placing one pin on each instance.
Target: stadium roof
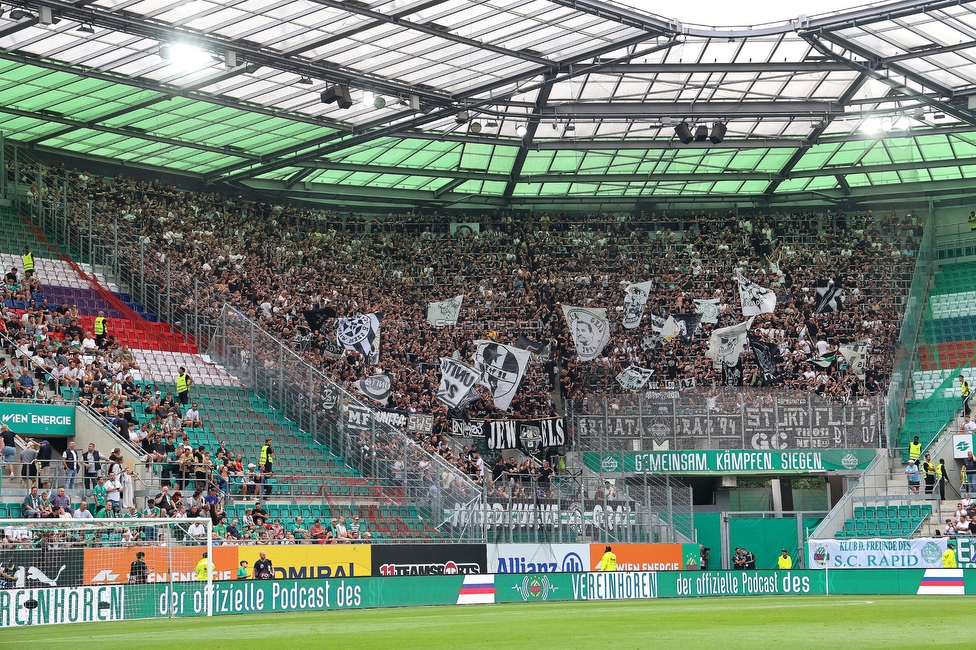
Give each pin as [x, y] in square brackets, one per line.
[501, 102]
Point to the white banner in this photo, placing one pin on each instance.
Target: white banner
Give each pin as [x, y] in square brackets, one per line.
[538, 558]
[855, 355]
[755, 299]
[920, 553]
[445, 312]
[590, 329]
[635, 297]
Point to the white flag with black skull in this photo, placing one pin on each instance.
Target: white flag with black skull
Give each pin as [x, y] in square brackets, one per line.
[376, 388]
[444, 313]
[634, 377]
[755, 299]
[457, 383]
[590, 329]
[501, 368]
[635, 298]
[856, 356]
[726, 343]
[708, 310]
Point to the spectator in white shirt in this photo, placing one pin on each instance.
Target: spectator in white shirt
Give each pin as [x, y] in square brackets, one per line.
[113, 489]
[82, 512]
[192, 418]
[197, 530]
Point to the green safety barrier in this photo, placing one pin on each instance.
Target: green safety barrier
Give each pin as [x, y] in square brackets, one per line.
[729, 461]
[38, 419]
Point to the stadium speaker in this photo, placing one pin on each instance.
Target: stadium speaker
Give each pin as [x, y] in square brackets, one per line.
[337, 94]
[701, 134]
[718, 133]
[683, 132]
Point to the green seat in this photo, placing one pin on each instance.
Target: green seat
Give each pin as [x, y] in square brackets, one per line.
[849, 525]
[882, 524]
[869, 512]
[926, 509]
[914, 511]
[859, 512]
[892, 511]
[903, 511]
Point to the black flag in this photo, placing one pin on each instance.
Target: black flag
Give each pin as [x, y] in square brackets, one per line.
[316, 318]
[830, 297]
[765, 355]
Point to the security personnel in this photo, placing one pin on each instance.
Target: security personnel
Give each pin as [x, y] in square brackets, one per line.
[931, 474]
[101, 329]
[608, 562]
[972, 220]
[784, 561]
[941, 477]
[266, 460]
[914, 450]
[966, 392]
[28, 262]
[949, 557]
[183, 383]
[203, 568]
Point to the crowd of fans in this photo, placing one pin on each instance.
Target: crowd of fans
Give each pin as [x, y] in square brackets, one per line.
[275, 261]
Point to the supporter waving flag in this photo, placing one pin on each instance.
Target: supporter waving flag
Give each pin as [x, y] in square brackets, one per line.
[501, 368]
[377, 387]
[360, 333]
[634, 377]
[765, 355]
[725, 345]
[635, 298]
[457, 383]
[708, 310]
[755, 299]
[444, 313]
[855, 354]
[830, 296]
[590, 329]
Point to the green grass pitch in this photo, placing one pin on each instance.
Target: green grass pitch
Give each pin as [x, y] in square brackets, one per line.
[790, 623]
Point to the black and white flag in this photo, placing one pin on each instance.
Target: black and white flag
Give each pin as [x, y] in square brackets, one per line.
[444, 313]
[457, 383]
[732, 374]
[708, 310]
[650, 343]
[725, 344]
[590, 329]
[765, 354]
[688, 326]
[634, 377]
[824, 362]
[540, 351]
[316, 318]
[856, 356]
[755, 299]
[501, 368]
[635, 298]
[377, 387]
[331, 348]
[830, 297]
[360, 333]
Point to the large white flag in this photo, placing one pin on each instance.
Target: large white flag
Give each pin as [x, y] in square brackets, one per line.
[856, 356]
[635, 297]
[501, 368]
[376, 388]
[590, 329]
[708, 309]
[726, 343]
[755, 299]
[445, 312]
[634, 377]
[360, 333]
[670, 329]
[457, 383]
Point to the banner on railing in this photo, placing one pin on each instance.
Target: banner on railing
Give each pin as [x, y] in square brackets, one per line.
[729, 420]
[543, 512]
[921, 553]
[29, 419]
[527, 435]
[727, 461]
[360, 417]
